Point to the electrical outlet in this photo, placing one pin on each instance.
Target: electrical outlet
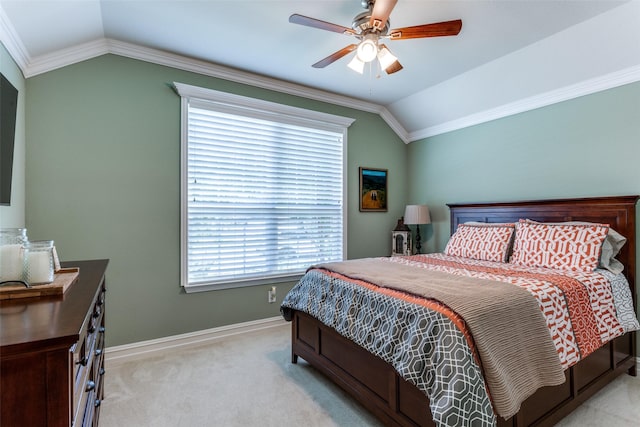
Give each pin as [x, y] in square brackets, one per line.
[271, 295]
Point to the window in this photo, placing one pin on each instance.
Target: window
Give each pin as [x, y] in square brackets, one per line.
[262, 192]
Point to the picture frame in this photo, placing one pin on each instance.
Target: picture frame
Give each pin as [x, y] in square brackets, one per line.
[373, 190]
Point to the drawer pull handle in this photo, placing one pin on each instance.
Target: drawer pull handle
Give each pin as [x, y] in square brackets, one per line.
[83, 361]
[98, 352]
[102, 371]
[90, 386]
[91, 329]
[101, 329]
[98, 403]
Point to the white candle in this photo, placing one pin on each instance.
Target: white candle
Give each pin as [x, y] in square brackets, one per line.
[11, 262]
[39, 268]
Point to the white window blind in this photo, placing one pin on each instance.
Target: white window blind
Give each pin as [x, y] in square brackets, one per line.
[263, 193]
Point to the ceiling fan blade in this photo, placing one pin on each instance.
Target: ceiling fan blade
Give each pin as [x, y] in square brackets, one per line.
[380, 13]
[439, 29]
[316, 23]
[335, 56]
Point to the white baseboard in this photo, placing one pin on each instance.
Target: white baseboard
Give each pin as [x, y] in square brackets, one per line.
[123, 353]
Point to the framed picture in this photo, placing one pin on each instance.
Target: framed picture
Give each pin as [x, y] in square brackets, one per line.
[373, 190]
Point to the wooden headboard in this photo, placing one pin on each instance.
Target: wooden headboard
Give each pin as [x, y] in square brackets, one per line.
[618, 211]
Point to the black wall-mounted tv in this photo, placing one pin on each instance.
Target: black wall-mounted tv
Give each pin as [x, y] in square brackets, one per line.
[8, 110]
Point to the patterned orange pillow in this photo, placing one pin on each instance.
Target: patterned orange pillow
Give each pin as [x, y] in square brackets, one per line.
[484, 242]
[562, 247]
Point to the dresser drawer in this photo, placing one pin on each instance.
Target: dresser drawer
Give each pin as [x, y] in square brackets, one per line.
[89, 364]
[81, 360]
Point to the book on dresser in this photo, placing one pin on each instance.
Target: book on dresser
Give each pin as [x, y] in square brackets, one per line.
[52, 353]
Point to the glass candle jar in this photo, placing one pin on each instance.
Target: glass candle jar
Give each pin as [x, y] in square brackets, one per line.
[38, 262]
[12, 241]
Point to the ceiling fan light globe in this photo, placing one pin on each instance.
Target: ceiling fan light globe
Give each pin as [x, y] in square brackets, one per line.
[356, 65]
[386, 58]
[367, 50]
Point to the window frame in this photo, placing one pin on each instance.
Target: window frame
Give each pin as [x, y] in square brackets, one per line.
[237, 104]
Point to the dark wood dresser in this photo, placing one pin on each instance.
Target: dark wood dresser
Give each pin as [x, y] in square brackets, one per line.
[52, 354]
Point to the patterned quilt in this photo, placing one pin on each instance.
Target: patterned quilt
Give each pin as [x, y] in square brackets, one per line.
[430, 346]
[583, 310]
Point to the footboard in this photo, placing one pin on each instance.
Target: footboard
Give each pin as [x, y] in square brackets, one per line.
[378, 387]
[370, 380]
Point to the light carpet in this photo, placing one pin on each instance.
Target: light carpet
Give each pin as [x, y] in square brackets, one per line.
[249, 380]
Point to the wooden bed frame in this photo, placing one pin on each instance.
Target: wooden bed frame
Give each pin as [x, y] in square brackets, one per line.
[377, 386]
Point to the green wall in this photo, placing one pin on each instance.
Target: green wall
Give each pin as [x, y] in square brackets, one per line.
[588, 146]
[103, 176]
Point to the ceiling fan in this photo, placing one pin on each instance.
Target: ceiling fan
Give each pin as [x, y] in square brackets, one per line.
[370, 27]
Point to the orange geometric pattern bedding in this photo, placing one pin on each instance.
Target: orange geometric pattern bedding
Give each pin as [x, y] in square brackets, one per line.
[578, 306]
[562, 247]
[487, 242]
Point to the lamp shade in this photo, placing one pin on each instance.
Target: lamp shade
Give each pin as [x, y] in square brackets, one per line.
[386, 58]
[356, 65]
[417, 214]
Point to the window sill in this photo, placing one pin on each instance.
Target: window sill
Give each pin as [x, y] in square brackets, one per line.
[205, 287]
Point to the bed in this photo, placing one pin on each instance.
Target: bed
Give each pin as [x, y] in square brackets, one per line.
[396, 401]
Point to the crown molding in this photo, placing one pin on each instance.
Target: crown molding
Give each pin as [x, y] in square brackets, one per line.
[64, 57]
[586, 87]
[90, 50]
[31, 67]
[11, 41]
[394, 124]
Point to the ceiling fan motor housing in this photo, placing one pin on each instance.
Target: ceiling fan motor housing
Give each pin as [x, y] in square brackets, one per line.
[361, 24]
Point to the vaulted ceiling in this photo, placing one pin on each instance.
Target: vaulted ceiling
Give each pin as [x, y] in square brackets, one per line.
[510, 56]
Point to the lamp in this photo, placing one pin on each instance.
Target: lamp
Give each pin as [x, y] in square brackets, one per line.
[417, 214]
